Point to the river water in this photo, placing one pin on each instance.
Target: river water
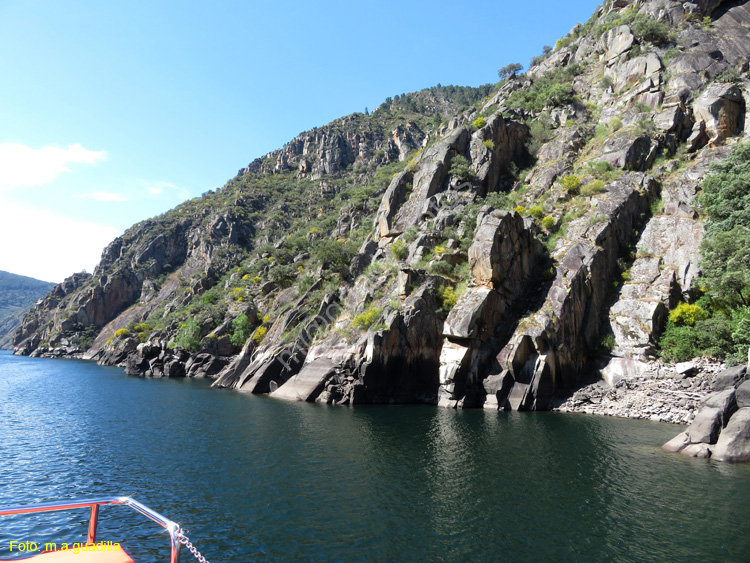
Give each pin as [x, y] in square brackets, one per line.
[256, 479]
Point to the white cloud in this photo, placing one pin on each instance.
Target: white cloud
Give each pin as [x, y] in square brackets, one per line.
[46, 246]
[165, 188]
[22, 166]
[102, 196]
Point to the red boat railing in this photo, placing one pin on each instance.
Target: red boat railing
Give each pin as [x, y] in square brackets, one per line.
[94, 504]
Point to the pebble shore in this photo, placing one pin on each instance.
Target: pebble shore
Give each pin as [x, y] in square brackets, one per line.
[664, 393]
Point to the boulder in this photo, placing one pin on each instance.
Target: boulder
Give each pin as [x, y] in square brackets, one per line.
[618, 369]
[116, 353]
[677, 444]
[671, 119]
[205, 365]
[729, 378]
[724, 401]
[706, 426]
[617, 41]
[698, 137]
[734, 442]
[308, 383]
[697, 450]
[685, 369]
[742, 395]
[721, 107]
[504, 251]
[392, 200]
[628, 153]
[642, 71]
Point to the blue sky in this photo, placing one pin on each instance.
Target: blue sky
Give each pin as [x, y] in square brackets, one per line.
[112, 112]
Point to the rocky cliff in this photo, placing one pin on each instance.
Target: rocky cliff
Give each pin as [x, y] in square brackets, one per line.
[17, 295]
[495, 247]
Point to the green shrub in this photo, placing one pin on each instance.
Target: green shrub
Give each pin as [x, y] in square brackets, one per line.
[336, 256]
[541, 130]
[143, 331]
[410, 235]
[305, 282]
[498, 200]
[367, 318]
[537, 212]
[686, 314]
[615, 124]
[520, 209]
[725, 196]
[122, 333]
[644, 126]
[460, 168]
[592, 188]
[282, 275]
[448, 295]
[602, 170]
[210, 297]
[726, 265]
[479, 122]
[399, 250]
[259, 334]
[724, 336]
[679, 344]
[548, 223]
[607, 343]
[441, 268]
[729, 76]
[242, 329]
[554, 88]
[670, 54]
[571, 184]
[740, 327]
[188, 337]
[488, 144]
[656, 207]
[509, 71]
[645, 28]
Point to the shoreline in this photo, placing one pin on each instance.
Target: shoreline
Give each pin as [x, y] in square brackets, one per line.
[661, 394]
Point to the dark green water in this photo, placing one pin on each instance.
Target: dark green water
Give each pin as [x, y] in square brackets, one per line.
[255, 479]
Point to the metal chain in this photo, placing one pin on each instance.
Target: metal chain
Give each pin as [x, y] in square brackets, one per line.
[183, 539]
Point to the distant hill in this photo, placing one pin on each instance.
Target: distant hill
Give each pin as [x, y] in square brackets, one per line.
[17, 295]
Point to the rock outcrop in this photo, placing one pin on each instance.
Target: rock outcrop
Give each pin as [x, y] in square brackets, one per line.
[721, 428]
[499, 247]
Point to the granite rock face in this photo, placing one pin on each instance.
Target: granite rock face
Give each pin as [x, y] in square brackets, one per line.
[721, 109]
[721, 428]
[511, 250]
[734, 442]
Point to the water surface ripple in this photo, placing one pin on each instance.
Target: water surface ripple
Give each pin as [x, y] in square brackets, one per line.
[255, 479]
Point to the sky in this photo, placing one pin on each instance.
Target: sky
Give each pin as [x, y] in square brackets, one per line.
[113, 112]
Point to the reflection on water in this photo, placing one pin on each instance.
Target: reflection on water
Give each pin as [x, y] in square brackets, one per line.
[253, 478]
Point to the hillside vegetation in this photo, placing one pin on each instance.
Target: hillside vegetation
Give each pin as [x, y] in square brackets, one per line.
[493, 246]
